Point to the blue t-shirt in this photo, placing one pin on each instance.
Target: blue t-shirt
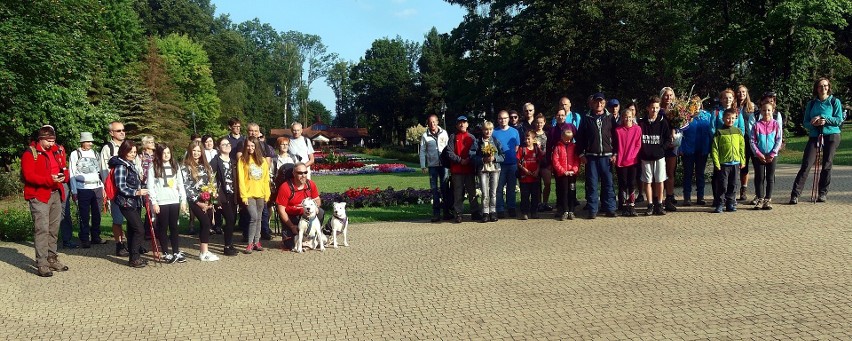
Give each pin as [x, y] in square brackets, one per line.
[509, 140]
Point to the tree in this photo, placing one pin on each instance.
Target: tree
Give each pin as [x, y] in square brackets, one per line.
[193, 18]
[315, 112]
[314, 59]
[339, 80]
[434, 64]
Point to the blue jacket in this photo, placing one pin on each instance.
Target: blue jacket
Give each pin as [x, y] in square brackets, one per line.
[698, 135]
[830, 109]
[739, 123]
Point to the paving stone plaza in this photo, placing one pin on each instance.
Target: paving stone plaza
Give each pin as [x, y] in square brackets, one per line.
[780, 274]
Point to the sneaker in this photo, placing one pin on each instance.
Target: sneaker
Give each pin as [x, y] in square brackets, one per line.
[208, 257]
[767, 204]
[570, 215]
[631, 211]
[523, 217]
[545, 208]
[179, 257]
[610, 214]
[700, 202]
[458, 219]
[670, 206]
[794, 200]
[687, 203]
[659, 210]
[718, 209]
[821, 198]
[755, 200]
[492, 217]
[139, 263]
[169, 258]
[758, 203]
[230, 251]
[562, 216]
[731, 208]
[120, 250]
[650, 210]
[258, 247]
[249, 248]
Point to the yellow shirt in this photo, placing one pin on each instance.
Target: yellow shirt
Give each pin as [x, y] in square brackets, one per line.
[253, 179]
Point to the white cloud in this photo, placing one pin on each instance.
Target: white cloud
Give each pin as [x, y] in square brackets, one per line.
[406, 13]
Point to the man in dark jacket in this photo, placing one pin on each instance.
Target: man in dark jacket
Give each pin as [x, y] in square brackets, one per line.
[595, 141]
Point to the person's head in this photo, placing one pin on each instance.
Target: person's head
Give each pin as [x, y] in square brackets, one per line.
[667, 96]
[539, 122]
[127, 150]
[46, 137]
[502, 119]
[726, 98]
[767, 109]
[822, 88]
[195, 158]
[195, 138]
[530, 138]
[147, 142]
[300, 173]
[116, 131]
[598, 103]
[529, 111]
[653, 107]
[195, 151]
[86, 140]
[224, 146]
[461, 124]
[743, 99]
[261, 138]
[208, 142]
[768, 97]
[487, 129]
[296, 128]
[283, 144]
[234, 125]
[514, 117]
[561, 114]
[432, 123]
[163, 157]
[565, 104]
[613, 106]
[567, 135]
[253, 129]
[730, 117]
[252, 151]
[627, 116]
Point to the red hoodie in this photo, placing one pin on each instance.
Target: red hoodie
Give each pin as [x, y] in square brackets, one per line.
[565, 159]
[37, 171]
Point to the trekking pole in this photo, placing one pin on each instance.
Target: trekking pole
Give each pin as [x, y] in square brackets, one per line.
[817, 164]
[155, 246]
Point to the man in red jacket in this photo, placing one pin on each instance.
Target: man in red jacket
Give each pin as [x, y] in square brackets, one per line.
[44, 169]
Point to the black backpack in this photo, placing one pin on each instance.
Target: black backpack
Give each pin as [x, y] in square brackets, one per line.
[284, 174]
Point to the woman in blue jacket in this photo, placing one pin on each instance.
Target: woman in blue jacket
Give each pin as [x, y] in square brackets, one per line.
[694, 150]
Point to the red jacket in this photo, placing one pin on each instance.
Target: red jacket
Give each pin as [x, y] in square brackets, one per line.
[37, 171]
[565, 159]
[529, 159]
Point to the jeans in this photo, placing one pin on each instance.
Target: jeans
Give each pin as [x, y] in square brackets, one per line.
[66, 228]
[508, 180]
[255, 211]
[727, 181]
[264, 221]
[439, 182]
[598, 168]
[135, 233]
[488, 183]
[464, 183]
[46, 217]
[530, 197]
[830, 143]
[89, 203]
[694, 165]
[764, 178]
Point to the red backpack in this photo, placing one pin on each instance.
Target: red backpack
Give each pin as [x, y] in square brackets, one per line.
[109, 185]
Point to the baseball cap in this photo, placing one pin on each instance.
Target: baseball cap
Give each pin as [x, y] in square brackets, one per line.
[461, 118]
[598, 96]
[612, 102]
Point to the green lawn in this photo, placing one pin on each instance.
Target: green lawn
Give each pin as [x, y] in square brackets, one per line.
[794, 148]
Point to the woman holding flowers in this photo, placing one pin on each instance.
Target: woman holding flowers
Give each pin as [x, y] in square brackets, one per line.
[488, 167]
[667, 105]
[168, 199]
[200, 193]
[253, 177]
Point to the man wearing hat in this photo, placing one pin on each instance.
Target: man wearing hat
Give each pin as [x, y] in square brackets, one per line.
[87, 190]
[45, 171]
[613, 106]
[595, 141]
[460, 148]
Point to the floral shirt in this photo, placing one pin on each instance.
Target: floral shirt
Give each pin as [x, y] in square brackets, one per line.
[193, 186]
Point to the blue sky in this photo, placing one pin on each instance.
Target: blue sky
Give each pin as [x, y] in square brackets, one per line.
[347, 27]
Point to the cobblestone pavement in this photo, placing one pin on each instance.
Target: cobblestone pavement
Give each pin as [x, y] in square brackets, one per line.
[783, 274]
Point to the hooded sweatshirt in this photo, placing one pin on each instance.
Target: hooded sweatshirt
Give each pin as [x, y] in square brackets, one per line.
[656, 136]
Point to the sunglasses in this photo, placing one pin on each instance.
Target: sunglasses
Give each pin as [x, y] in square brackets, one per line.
[514, 117]
[302, 173]
[119, 130]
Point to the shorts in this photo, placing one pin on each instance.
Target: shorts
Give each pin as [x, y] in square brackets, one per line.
[654, 171]
[117, 217]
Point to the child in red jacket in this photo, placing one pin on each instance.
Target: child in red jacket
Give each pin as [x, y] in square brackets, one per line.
[565, 165]
[529, 160]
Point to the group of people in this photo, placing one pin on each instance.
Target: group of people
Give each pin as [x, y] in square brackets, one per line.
[216, 182]
[640, 147]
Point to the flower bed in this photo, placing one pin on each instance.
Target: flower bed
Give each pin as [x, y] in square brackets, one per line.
[334, 169]
[337, 166]
[365, 197]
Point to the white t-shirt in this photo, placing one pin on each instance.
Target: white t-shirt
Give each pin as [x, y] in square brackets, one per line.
[301, 148]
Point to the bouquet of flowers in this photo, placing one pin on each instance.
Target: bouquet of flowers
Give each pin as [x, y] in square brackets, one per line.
[680, 113]
[209, 193]
[488, 149]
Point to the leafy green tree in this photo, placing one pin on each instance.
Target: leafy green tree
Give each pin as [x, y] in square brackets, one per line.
[339, 80]
[433, 66]
[193, 18]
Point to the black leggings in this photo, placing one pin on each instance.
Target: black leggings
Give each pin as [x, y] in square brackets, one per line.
[135, 234]
[204, 220]
[626, 184]
[229, 213]
[566, 194]
[168, 218]
[764, 178]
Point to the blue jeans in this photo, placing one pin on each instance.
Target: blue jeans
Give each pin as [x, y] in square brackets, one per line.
[508, 179]
[264, 221]
[599, 168]
[66, 228]
[439, 182]
[89, 203]
[694, 165]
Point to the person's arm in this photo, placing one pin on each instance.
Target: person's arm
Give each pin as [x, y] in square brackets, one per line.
[105, 156]
[741, 151]
[310, 148]
[241, 180]
[779, 133]
[753, 142]
[836, 116]
[422, 151]
[315, 193]
[451, 150]
[556, 160]
[500, 156]
[714, 151]
[153, 189]
[121, 174]
[265, 180]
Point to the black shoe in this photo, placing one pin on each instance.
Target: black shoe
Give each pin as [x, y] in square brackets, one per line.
[501, 215]
[120, 250]
[651, 210]
[687, 203]
[265, 236]
[435, 219]
[545, 208]
[513, 213]
[794, 200]
[98, 241]
[448, 216]
[475, 216]
[821, 198]
[85, 244]
[458, 219]
[230, 251]
[484, 218]
[218, 230]
[611, 214]
[700, 202]
[142, 250]
[658, 209]
[592, 215]
[670, 206]
[640, 198]
[492, 217]
[70, 245]
[139, 263]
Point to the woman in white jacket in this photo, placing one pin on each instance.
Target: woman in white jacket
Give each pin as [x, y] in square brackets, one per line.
[168, 199]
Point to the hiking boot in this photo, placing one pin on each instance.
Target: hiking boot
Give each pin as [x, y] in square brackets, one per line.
[54, 264]
[743, 193]
[758, 204]
[44, 271]
[821, 198]
[120, 250]
[570, 215]
[794, 200]
[767, 204]
[492, 217]
[458, 219]
[138, 263]
[670, 205]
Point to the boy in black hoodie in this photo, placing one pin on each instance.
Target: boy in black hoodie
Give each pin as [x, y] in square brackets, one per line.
[655, 136]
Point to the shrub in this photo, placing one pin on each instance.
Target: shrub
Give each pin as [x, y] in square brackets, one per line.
[389, 153]
[16, 225]
[365, 197]
[10, 182]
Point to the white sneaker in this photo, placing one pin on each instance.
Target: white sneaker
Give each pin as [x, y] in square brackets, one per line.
[169, 258]
[208, 257]
[179, 257]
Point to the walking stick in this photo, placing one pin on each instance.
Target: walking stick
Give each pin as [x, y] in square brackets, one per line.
[155, 246]
[817, 164]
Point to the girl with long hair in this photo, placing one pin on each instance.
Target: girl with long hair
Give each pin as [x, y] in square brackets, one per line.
[253, 175]
[168, 199]
[196, 173]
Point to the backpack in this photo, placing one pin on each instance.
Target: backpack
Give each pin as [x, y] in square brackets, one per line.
[293, 189]
[109, 185]
[284, 174]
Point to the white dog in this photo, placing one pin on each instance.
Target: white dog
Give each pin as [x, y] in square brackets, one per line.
[339, 223]
[310, 225]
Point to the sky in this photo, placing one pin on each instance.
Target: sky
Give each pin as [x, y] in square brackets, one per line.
[347, 27]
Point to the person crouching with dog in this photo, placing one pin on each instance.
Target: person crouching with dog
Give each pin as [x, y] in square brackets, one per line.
[290, 196]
